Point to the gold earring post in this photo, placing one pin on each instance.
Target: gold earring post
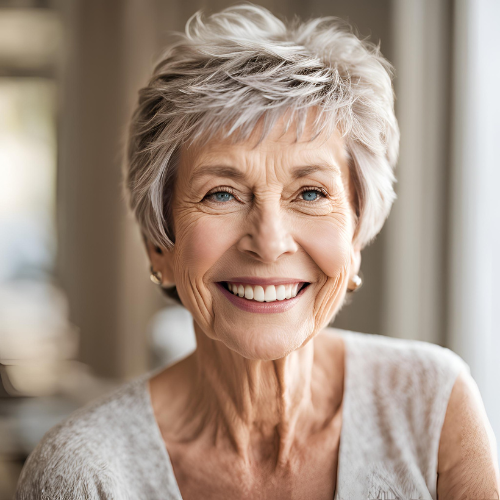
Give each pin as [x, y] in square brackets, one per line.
[155, 276]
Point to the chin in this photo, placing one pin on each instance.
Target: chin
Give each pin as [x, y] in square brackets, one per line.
[266, 343]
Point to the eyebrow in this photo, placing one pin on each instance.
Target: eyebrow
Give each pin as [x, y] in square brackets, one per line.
[304, 171]
[218, 171]
[234, 173]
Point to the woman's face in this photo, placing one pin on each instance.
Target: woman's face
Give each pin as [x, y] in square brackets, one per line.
[267, 221]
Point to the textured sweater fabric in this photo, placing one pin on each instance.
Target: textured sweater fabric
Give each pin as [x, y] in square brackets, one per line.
[395, 397]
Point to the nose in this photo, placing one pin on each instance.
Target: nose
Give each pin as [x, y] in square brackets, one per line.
[267, 237]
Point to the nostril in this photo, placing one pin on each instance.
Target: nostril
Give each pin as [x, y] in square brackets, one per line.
[252, 253]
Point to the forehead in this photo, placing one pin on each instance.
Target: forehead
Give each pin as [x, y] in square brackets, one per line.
[280, 151]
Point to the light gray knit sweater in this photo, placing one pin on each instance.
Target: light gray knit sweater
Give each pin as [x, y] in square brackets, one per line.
[395, 399]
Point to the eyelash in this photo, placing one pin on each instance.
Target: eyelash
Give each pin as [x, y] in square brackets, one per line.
[221, 189]
[226, 189]
[321, 191]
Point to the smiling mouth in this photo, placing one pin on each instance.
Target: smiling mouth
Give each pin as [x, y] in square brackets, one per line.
[267, 293]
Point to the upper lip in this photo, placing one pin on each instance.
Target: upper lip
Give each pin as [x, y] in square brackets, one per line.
[264, 281]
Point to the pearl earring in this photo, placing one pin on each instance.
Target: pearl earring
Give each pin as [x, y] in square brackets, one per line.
[356, 284]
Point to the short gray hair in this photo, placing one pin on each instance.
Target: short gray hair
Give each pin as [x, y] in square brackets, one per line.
[232, 68]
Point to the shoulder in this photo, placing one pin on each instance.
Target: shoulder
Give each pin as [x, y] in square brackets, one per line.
[81, 456]
[415, 359]
[467, 461]
[413, 375]
[412, 378]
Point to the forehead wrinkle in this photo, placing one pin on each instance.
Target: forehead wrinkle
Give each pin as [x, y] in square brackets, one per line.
[295, 162]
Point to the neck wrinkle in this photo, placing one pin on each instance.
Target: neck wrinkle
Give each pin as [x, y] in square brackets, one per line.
[258, 403]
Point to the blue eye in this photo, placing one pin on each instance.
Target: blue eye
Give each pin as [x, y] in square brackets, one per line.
[311, 195]
[222, 196]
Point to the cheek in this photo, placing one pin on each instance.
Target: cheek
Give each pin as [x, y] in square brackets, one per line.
[328, 243]
[200, 242]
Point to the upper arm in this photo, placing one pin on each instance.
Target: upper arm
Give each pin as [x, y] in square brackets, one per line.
[467, 458]
[61, 471]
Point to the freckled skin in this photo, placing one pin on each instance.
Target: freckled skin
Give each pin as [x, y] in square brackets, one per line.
[258, 405]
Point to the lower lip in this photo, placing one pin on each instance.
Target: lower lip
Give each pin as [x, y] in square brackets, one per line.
[253, 306]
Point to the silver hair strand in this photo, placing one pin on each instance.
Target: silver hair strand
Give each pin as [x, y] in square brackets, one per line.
[232, 68]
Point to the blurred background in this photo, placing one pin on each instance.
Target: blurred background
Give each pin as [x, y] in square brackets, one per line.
[78, 313]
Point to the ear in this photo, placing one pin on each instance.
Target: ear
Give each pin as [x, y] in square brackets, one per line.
[355, 261]
[161, 260]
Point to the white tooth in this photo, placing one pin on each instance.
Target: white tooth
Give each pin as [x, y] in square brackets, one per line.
[241, 290]
[248, 292]
[280, 292]
[231, 287]
[294, 289]
[288, 291]
[270, 295]
[258, 294]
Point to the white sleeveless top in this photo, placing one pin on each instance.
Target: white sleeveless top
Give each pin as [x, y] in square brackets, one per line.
[395, 399]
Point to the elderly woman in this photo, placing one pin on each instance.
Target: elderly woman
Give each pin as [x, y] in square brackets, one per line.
[260, 163]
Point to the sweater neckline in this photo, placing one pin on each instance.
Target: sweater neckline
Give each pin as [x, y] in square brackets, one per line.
[163, 458]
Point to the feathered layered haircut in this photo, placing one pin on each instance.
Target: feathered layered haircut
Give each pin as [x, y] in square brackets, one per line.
[233, 68]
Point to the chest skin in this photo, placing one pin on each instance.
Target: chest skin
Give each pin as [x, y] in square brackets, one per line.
[310, 474]
[206, 462]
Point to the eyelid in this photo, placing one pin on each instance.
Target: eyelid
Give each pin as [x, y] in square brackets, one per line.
[320, 190]
[232, 191]
[224, 189]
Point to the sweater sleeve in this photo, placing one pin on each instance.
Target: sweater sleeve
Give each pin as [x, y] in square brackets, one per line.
[64, 467]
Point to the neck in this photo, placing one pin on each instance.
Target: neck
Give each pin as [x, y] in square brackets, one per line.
[255, 404]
